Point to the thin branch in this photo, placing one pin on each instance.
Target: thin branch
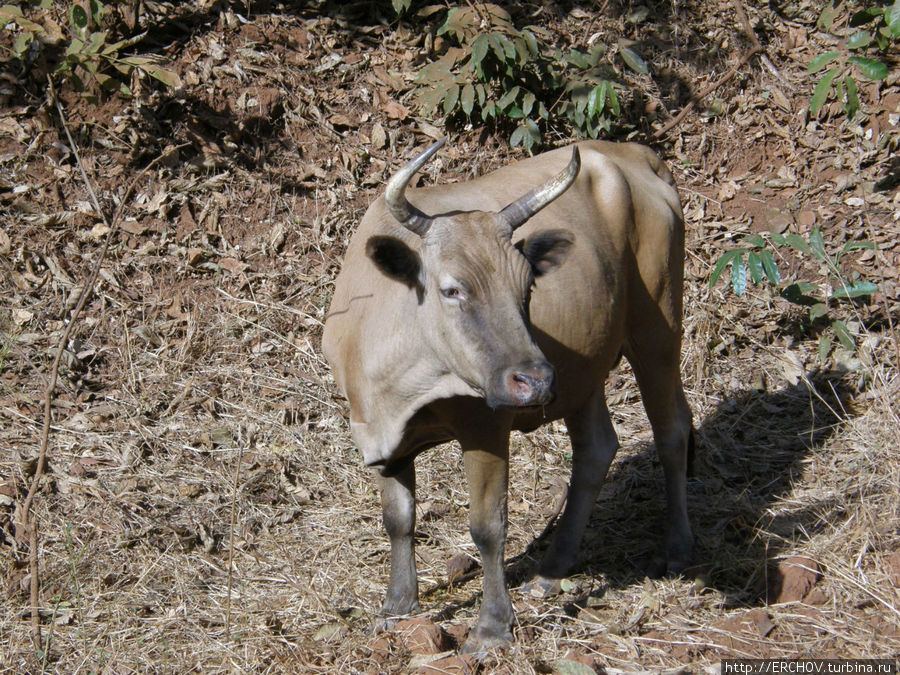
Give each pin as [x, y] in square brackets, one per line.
[756, 49]
[715, 85]
[234, 489]
[26, 518]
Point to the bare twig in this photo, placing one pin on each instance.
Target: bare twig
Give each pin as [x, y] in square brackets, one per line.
[237, 476]
[715, 85]
[756, 49]
[26, 518]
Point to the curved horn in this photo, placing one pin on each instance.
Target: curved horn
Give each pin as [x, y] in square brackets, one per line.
[394, 195]
[527, 205]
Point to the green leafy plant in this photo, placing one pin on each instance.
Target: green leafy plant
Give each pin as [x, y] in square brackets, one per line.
[92, 61]
[755, 263]
[493, 71]
[866, 33]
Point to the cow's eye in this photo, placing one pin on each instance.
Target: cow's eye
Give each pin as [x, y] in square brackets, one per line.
[452, 293]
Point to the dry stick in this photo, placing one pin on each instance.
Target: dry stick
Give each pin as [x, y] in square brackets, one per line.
[237, 476]
[715, 85]
[757, 48]
[27, 519]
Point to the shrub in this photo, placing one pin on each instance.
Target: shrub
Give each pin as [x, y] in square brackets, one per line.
[868, 34]
[822, 300]
[93, 61]
[493, 71]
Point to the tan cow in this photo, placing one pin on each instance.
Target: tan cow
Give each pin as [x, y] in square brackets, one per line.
[464, 311]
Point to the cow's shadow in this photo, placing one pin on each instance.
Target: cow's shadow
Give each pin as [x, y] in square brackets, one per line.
[751, 452]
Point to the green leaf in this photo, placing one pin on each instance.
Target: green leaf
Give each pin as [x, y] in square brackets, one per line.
[98, 11]
[821, 61]
[167, 77]
[817, 310]
[507, 99]
[823, 88]
[865, 16]
[480, 49]
[95, 42]
[826, 18]
[754, 240]
[817, 244]
[517, 136]
[858, 289]
[738, 276]
[824, 347]
[633, 61]
[451, 96]
[22, 43]
[858, 245]
[870, 68]
[596, 99]
[9, 13]
[859, 40]
[78, 17]
[852, 97]
[467, 99]
[723, 263]
[843, 335]
[533, 134]
[578, 59]
[797, 293]
[532, 42]
[796, 242]
[481, 91]
[401, 6]
[528, 103]
[508, 47]
[497, 47]
[754, 263]
[892, 19]
[770, 268]
[613, 100]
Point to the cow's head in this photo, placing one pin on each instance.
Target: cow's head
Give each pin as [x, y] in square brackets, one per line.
[473, 285]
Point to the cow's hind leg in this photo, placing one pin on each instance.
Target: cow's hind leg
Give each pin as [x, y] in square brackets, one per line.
[398, 507]
[656, 368]
[486, 463]
[594, 446]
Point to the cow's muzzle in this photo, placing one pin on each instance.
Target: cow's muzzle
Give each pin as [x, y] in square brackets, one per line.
[525, 385]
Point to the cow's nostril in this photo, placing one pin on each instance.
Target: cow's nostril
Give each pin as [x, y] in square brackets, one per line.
[531, 385]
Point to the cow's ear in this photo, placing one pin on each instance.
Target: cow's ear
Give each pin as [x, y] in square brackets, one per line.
[395, 259]
[547, 250]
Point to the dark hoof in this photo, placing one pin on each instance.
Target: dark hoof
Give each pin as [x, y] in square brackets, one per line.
[387, 618]
[482, 641]
[660, 567]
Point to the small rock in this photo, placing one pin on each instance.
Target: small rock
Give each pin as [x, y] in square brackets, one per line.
[794, 579]
[421, 636]
[459, 565]
[448, 665]
[893, 562]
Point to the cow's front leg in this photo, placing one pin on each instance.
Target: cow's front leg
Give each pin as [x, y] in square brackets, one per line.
[487, 471]
[594, 446]
[398, 508]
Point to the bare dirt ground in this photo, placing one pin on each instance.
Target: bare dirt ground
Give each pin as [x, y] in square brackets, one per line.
[203, 508]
